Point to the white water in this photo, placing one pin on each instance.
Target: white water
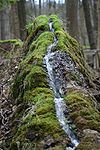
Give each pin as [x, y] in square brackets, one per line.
[60, 107]
[59, 102]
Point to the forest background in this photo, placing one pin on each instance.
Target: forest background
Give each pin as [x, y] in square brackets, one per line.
[81, 18]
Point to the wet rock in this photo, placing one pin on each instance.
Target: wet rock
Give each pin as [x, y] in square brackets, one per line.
[31, 136]
[50, 143]
[90, 141]
[66, 112]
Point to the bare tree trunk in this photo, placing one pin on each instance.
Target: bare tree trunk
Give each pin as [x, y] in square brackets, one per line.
[5, 29]
[82, 26]
[34, 7]
[43, 5]
[54, 6]
[39, 7]
[72, 18]
[2, 24]
[89, 26]
[14, 22]
[49, 6]
[7, 26]
[98, 45]
[22, 18]
[95, 18]
[95, 14]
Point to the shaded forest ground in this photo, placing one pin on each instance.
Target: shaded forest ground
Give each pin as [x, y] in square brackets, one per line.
[10, 56]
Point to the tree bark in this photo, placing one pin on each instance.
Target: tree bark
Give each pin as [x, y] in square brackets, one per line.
[22, 18]
[39, 7]
[82, 26]
[72, 18]
[89, 26]
[54, 6]
[98, 45]
[4, 19]
[14, 22]
[2, 24]
[34, 8]
[95, 14]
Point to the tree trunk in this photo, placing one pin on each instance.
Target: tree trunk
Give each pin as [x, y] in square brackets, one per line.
[14, 22]
[95, 18]
[54, 6]
[89, 26]
[5, 29]
[2, 24]
[98, 45]
[22, 18]
[72, 18]
[34, 7]
[82, 27]
[39, 7]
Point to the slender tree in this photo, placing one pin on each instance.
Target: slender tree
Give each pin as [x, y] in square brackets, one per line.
[2, 23]
[95, 18]
[98, 45]
[95, 14]
[72, 18]
[22, 18]
[87, 14]
[14, 22]
[39, 7]
[82, 26]
[34, 7]
[54, 6]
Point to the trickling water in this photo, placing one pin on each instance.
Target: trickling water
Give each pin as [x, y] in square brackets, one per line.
[55, 84]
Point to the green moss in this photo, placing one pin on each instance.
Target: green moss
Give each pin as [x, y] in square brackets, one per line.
[30, 73]
[38, 22]
[10, 48]
[18, 87]
[40, 25]
[57, 24]
[45, 38]
[27, 145]
[68, 44]
[90, 141]
[30, 26]
[16, 42]
[41, 21]
[43, 122]
[36, 78]
[38, 48]
[31, 88]
[83, 111]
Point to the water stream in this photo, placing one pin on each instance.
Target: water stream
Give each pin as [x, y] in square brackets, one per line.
[55, 84]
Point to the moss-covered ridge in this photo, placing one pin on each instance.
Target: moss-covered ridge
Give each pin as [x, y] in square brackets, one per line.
[65, 42]
[31, 89]
[40, 121]
[83, 110]
[39, 125]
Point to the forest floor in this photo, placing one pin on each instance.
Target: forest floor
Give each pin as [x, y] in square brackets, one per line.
[10, 56]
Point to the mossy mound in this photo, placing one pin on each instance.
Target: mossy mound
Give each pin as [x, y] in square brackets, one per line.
[38, 125]
[32, 67]
[9, 47]
[90, 140]
[12, 41]
[83, 110]
[40, 121]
